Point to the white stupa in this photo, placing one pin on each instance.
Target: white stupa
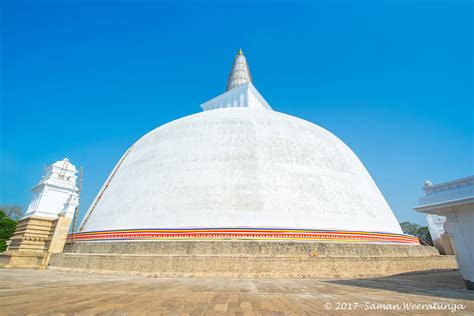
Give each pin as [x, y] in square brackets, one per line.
[241, 170]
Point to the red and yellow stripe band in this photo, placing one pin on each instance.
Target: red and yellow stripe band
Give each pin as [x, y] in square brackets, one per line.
[239, 233]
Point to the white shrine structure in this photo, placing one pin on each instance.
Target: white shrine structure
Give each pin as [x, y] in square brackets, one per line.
[454, 200]
[242, 190]
[56, 192]
[44, 228]
[241, 170]
[438, 234]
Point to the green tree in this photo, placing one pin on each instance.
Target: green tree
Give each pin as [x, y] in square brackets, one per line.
[7, 228]
[409, 228]
[422, 232]
[12, 211]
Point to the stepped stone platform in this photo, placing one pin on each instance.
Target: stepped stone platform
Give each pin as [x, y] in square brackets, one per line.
[248, 259]
[35, 238]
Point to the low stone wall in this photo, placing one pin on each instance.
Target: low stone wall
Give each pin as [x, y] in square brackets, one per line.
[34, 240]
[251, 248]
[249, 259]
[29, 243]
[209, 266]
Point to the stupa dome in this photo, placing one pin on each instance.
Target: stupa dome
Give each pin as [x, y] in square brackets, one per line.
[240, 169]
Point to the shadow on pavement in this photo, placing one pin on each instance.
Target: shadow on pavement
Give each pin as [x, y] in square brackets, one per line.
[436, 283]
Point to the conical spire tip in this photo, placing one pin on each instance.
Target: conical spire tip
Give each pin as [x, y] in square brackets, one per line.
[240, 73]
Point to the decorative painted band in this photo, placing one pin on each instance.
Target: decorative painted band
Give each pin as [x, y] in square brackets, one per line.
[248, 233]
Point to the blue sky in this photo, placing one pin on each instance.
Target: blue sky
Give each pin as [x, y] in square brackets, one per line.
[85, 80]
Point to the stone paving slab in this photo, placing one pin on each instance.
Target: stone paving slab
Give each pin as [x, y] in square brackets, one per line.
[32, 292]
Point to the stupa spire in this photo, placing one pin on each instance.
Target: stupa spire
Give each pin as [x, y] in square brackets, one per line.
[240, 73]
[240, 91]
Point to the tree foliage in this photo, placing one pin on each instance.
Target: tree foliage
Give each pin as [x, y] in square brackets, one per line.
[409, 228]
[7, 227]
[422, 232]
[13, 211]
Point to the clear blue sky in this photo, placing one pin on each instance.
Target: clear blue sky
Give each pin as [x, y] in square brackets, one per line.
[393, 80]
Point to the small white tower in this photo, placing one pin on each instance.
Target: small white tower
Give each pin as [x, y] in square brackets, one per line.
[56, 193]
[44, 228]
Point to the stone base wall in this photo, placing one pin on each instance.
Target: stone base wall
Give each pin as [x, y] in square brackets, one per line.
[248, 259]
[247, 267]
[59, 235]
[251, 248]
[34, 240]
[31, 235]
[25, 260]
[444, 245]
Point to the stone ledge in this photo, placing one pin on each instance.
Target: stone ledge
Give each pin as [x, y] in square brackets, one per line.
[247, 267]
[22, 259]
[251, 248]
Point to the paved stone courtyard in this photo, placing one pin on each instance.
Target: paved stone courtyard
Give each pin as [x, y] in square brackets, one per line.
[49, 292]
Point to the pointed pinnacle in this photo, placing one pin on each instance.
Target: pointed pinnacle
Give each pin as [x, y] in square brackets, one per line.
[240, 73]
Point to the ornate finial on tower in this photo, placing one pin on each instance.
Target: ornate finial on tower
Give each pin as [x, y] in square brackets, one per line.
[240, 73]
[240, 91]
